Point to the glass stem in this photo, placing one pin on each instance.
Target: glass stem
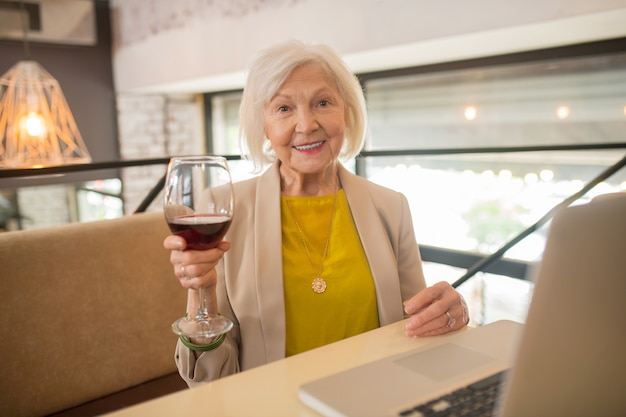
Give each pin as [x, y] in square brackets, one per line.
[203, 309]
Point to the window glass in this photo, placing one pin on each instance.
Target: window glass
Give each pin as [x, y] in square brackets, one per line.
[479, 202]
[99, 200]
[565, 102]
[225, 123]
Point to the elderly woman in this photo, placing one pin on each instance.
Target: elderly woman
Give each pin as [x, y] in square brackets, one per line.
[315, 253]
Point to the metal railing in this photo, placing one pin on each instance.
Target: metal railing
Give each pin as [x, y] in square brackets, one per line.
[473, 262]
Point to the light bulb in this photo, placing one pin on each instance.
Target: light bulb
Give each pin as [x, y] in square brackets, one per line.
[33, 125]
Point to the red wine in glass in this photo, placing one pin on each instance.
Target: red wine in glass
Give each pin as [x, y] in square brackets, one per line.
[200, 231]
[198, 204]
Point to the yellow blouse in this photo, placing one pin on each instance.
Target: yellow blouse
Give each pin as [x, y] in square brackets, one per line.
[348, 306]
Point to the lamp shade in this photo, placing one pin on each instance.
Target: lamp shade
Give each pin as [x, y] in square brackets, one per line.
[36, 125]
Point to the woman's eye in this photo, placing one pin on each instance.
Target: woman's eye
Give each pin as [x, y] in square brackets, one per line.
[323, 103]
[283, 108]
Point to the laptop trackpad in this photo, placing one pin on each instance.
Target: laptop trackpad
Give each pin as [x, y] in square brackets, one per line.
[444, 361]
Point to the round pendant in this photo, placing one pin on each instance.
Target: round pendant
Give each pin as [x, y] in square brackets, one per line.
[318, 285]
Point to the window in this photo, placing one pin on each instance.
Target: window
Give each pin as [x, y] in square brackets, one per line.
[99, 200]
[569, 101]
[477, 202]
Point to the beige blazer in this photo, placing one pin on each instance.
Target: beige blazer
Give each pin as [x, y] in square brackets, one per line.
[250, 278]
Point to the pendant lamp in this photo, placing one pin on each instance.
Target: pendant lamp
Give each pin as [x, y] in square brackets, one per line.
[36, 125]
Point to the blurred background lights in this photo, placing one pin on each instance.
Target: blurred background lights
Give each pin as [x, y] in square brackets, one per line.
[546, 175]
[505, 174]
[531, 178]
[470, 112]
[562, 112]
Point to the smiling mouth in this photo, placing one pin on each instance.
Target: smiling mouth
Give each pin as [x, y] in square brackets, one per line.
[309, 146]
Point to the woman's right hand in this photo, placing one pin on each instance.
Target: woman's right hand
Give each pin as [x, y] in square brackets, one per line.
[194, 268]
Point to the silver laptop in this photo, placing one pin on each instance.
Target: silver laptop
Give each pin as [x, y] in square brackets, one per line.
[567, 360]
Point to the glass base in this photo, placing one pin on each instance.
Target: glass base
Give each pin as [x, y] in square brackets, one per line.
[208, 326]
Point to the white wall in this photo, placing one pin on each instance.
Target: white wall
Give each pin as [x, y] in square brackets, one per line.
[200, 45]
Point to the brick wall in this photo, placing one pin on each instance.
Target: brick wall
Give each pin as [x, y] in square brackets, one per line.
[155, 127]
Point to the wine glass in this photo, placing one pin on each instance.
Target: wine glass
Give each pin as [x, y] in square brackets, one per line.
[199, 205]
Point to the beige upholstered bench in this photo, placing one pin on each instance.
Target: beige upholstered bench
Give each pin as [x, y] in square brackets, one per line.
[85, 314]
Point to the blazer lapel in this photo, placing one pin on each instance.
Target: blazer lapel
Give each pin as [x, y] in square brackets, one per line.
[269, 263]
[378, 249]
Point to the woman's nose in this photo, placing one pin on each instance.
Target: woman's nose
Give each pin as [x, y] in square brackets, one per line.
[307, 122]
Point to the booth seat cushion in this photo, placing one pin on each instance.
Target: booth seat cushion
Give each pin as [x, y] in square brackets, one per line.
[86, 312]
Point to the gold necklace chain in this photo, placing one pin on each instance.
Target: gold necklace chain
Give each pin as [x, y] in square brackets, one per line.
[318, 284]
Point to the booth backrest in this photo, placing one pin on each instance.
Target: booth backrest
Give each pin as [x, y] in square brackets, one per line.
[85, 311]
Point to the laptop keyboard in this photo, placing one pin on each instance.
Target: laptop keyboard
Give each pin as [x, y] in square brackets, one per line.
[475, 400]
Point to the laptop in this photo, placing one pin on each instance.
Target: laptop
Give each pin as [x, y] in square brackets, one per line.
[566, 360]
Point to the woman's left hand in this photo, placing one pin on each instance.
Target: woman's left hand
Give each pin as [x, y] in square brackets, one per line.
[435, 310]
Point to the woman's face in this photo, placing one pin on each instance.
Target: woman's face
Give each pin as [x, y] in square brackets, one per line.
[305, 121]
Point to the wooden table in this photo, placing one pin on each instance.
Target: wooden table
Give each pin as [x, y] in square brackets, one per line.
[272, 389]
